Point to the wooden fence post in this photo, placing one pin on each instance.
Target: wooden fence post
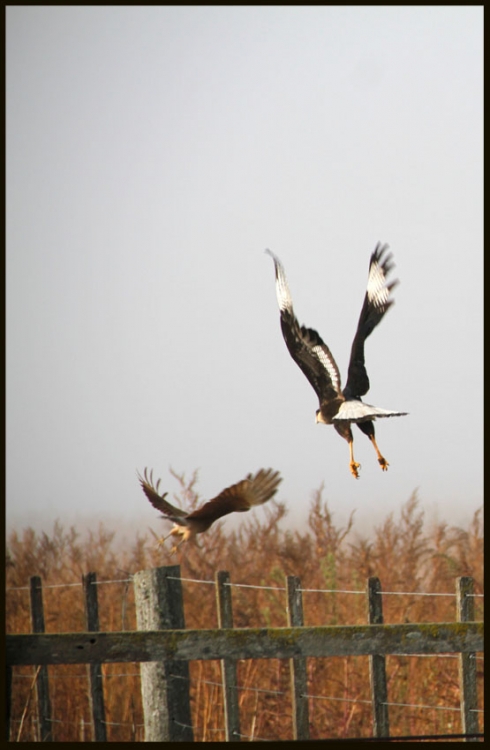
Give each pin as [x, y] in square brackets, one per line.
[164, 685]
[377, 664]
[96, 692]
[299, 678]
[42, 685]
[465, 606]
[228, 666]
[8, 690]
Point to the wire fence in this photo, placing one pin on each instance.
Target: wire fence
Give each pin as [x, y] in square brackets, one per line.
[199, 684]
[79, 584]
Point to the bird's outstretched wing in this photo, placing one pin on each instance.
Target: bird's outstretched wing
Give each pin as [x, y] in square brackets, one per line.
[158, 501]
[376, 303]
[240, 497]
[305, 345]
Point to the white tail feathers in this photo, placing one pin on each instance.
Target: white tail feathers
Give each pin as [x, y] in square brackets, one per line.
[358, 411]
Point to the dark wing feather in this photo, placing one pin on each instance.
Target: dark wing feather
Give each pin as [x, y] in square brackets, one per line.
[240, 497]
[305, 345]
[376, 303]
[158, 501]
[313, 357]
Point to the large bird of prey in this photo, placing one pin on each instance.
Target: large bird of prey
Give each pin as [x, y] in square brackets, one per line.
[239, 497]
[312, 355]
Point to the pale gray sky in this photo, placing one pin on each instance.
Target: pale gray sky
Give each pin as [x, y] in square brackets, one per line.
[153, 153]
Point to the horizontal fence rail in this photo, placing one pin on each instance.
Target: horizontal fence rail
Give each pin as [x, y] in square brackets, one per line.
[245, 643]
[164, 647]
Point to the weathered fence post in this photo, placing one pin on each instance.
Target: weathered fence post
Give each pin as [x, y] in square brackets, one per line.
[164, 685]
[299, 678]
[8, 690]
[377, 664]
[96, 692]
[42, 685]
[465, 606]
[228, 666]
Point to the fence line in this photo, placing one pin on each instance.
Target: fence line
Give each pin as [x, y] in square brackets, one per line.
[165, 647]
[271, 691]
[252, 586]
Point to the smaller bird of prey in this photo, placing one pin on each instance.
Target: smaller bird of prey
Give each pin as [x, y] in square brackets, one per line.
[312, 355]
[238, 498]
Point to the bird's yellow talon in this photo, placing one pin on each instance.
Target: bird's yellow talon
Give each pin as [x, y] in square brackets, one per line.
[354, 466]
[383, 463]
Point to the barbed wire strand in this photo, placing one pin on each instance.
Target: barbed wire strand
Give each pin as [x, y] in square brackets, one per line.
[189, 580]
[252, 737]
[331, 698]
[326, 697]
[17, 676]
[421, 705]
[251, 586]
[331, 591]
[257, 690]
[86, 721]
[199, 729]
[393, 738]
[281, 692]
[61, 585]
[235, 687]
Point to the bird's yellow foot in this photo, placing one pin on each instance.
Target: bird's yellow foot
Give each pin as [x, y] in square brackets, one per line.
[354, 466]
[383, 463]
[158, 540]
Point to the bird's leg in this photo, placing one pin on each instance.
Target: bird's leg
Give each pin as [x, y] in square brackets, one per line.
[344, 430]
[368, 429]
[159, 540]
[163, 539]
[185, 532]
[381, 459]
[354, 466]
[176, 546]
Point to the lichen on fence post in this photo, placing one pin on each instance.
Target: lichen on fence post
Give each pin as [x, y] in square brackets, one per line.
[228, 666]
[164, 685]
[8, 696]
[96, 692]
[465, 605]
[299, 680]
[42, 685]
[377, 664]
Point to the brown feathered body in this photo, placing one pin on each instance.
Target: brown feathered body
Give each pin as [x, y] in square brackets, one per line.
[238, 498]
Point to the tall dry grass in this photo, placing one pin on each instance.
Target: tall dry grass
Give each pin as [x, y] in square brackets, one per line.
[401, 551]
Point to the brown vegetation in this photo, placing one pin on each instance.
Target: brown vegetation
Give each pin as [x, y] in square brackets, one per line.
[401, 552]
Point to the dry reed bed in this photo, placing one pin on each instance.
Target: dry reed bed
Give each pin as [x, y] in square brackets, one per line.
[401, 552]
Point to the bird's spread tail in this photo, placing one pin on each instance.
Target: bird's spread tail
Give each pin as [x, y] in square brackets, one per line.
[357, 411]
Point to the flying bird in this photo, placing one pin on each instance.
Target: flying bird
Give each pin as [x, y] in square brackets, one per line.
[238, 498]
[341, 407]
